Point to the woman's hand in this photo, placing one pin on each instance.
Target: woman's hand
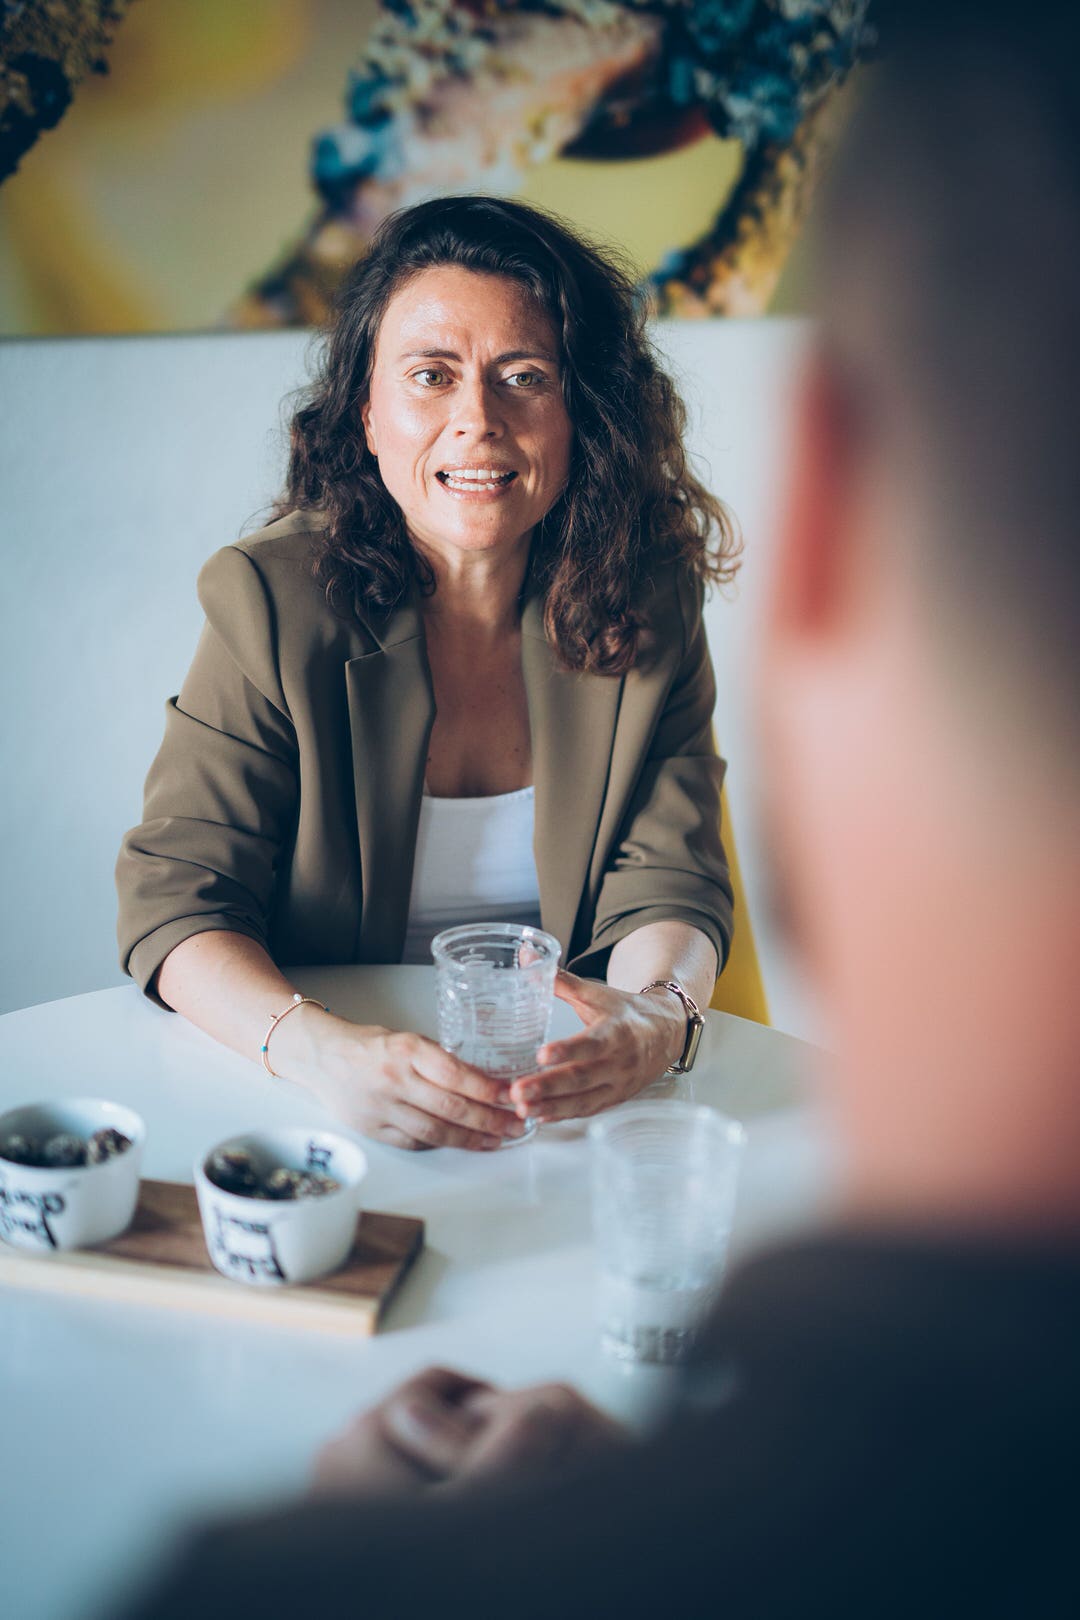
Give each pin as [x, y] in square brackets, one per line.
[628, 1041]
[398, 1088]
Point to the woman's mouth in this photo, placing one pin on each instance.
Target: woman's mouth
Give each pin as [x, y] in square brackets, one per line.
[476, 480]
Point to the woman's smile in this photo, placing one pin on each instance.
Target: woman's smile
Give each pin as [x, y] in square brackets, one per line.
[476, 483]
[465, 410]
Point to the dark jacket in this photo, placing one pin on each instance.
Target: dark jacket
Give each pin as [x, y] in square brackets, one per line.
[881, 1428]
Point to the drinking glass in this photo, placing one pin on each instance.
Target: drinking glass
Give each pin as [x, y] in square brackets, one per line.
[669, 1087]
[664, 1176]
[495, 983]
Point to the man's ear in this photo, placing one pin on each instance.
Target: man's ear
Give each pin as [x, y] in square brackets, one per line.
[369, 431]
[814, 568]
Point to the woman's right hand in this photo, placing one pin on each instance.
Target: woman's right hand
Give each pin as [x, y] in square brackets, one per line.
[396, 1087]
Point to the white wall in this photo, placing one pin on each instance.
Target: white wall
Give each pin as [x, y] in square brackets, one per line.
[124, 462]
[736, 378]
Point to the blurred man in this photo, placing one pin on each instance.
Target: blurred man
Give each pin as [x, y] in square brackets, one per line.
[905, 1423]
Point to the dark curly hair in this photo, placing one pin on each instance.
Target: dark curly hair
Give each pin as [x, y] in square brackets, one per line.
[630, 502]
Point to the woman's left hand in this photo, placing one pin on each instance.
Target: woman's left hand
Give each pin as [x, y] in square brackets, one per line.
[628, 1041]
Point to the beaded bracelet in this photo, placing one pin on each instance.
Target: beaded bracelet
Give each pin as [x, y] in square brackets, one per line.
[275, 1019]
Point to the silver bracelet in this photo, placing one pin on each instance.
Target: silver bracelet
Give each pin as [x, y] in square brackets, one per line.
[275, 1019]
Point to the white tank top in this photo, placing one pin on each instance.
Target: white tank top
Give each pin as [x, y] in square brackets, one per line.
[474, 863]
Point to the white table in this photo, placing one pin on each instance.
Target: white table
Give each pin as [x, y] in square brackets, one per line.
[121, 1422]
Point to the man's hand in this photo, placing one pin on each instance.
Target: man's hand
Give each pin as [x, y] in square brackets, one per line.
[442, 1429]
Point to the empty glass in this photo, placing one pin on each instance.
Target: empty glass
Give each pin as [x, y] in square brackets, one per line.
[664, 1179]
[669, 1087]
[494, 987]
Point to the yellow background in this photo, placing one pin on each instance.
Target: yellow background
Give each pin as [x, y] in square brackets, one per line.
[180, 177]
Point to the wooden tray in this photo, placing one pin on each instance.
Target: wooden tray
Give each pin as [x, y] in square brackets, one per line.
[161, 1260]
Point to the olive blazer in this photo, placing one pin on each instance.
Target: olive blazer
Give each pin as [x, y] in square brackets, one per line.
[283, 803]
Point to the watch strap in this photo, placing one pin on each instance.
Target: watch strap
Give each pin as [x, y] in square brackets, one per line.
[695, 1023]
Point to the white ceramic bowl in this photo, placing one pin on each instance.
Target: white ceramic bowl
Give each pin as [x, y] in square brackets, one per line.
[271, 1242]
[75, 1206]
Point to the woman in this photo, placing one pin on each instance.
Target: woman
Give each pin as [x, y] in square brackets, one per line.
[462, 674]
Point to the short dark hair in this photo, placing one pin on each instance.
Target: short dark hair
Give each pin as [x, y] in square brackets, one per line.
[631, 503]
[949, 247]
[949, 243]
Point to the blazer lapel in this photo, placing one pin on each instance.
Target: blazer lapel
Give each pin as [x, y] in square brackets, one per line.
[572, 719]
[391, 711]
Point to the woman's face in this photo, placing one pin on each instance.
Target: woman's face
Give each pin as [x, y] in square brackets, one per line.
[465, 411]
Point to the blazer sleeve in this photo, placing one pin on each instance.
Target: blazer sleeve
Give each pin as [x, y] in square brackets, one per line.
[221, 797]
[669, 862]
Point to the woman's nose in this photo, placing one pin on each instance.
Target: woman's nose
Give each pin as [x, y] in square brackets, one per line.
[477, 411]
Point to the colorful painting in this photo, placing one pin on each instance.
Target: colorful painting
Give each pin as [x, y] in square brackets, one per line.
[185, 164]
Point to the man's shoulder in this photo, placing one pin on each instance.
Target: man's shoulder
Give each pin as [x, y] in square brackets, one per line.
[861, 1300]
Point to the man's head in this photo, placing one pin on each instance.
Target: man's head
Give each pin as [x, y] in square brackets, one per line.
[920, 684]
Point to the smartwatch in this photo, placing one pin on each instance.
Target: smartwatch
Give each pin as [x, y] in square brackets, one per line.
[695, 1023]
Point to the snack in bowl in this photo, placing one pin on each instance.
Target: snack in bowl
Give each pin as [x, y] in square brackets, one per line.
[282, 1183]
[69, 1173]
[64, 1148]
[232, 1170]
[280, 1206]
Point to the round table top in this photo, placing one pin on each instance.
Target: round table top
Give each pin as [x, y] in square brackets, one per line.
[129, 1420]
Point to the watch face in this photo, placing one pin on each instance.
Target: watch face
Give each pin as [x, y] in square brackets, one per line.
[693, 1041]
[695, 1023]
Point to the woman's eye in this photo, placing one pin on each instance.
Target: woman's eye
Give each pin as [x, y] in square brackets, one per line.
[430, 377]
[524, 379]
